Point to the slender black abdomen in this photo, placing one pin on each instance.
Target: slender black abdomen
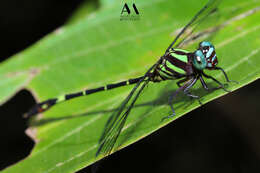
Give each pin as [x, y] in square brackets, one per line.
[44, 106]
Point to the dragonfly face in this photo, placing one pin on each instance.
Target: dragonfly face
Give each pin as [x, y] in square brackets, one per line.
[208, 51]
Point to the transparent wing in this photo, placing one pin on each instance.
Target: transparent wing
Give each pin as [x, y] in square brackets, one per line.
[209, 8]
[117, 120]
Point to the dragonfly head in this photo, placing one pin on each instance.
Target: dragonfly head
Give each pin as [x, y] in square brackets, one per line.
[199, 60]
[208, 51]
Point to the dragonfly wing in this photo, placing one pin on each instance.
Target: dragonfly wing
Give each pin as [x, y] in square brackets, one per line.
[117, 120]
[117, 123]
[204, 12]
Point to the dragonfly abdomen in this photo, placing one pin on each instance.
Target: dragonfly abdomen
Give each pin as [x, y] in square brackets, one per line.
[43, 106]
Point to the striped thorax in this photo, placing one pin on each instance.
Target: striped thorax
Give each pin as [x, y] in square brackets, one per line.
[174, 65]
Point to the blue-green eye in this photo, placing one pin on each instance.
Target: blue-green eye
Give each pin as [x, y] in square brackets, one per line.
[209, 52]
[207, 48]
[199, 61]
[206, 44]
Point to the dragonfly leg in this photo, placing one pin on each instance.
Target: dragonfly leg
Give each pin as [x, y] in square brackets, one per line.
[206, 87]
[188, 93]
[182, 81]
[225, 74]
[193, 97]
[171, 105]
[187, 85]
[215, 80]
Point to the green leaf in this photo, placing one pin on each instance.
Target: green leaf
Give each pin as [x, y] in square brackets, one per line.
[107, 2]
[85, 9]
[102, 49]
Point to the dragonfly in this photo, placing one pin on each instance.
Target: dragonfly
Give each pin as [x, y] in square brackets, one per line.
[175, 64]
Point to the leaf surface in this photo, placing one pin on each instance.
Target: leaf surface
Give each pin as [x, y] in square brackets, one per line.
[102, 49]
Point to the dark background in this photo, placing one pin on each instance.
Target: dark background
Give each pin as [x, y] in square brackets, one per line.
[221, 136]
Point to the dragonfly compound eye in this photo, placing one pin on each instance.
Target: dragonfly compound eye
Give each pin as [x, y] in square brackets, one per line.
[211, 58]
[212, 62]
[205, 44]
[199, 61]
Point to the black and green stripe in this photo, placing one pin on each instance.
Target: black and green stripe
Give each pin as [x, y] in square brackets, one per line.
[43, 106]
[174, 65]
